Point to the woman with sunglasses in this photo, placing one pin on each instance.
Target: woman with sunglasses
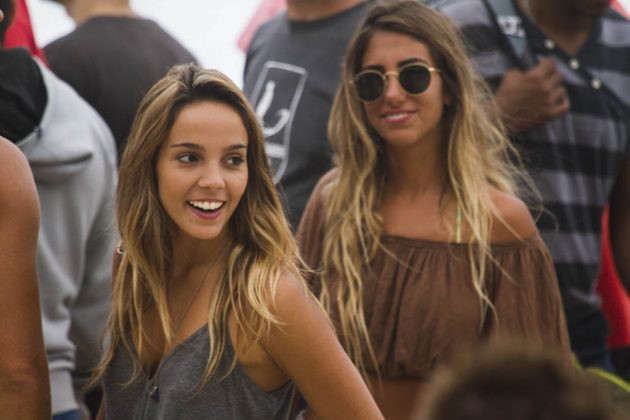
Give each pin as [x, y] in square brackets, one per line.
[419, 246]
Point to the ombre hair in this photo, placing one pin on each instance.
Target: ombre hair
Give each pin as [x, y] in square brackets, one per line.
[262, 243]
[476, 154]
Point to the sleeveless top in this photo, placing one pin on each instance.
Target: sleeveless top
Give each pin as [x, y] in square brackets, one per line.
[178, 395]
[421, 308]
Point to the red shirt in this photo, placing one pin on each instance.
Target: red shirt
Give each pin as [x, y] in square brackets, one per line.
[20, 32]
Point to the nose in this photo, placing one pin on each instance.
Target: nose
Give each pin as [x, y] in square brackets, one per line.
[211, 177]
[393, 90]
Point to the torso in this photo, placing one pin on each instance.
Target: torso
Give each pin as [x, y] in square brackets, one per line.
[168, 383]
[400, 217]
[190, 318]
[439, 221]
[420, 305]
[173, 392]
[292, 93]
[254, 360]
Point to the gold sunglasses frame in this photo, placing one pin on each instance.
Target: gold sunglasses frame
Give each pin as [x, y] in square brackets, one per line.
[393, 73]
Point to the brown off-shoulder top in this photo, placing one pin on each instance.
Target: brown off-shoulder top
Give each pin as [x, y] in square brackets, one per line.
[421, 308]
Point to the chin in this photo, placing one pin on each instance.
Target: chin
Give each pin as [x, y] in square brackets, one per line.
[403, 141]
[205, 234]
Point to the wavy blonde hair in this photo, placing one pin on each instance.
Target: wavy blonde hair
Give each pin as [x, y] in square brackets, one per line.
[263, 247]
[476, 153]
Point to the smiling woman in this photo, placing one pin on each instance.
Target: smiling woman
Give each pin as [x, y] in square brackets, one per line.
[421, 249]
[211, 317]
[202, 169]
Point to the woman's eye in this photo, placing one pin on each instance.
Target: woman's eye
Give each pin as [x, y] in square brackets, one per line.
[186, 158]
[235, 160]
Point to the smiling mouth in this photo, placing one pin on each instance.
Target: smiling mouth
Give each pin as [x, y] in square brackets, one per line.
[207, 206]
[398, 116]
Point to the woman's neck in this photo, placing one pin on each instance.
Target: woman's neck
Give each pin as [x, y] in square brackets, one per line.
[415, 170]
[189, 254]
[308, 10]
[80, 11]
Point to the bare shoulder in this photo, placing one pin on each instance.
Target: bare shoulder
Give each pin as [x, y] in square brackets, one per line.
[14, 163]
[295, 307]
[17, 179]
[291, 295]
[515, 222]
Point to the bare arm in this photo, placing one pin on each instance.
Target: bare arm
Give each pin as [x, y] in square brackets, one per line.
[619, 224]
[24, 384]
[307, 350]
[100, 415]
[528, 99]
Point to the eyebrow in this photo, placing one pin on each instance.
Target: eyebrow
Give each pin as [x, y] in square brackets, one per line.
[400, 64]
[195, 146]
[186, 145]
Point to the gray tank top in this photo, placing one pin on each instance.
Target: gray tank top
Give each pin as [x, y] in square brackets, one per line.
[178, 396]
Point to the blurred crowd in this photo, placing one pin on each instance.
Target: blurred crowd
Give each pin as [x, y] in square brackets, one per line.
[411, 210]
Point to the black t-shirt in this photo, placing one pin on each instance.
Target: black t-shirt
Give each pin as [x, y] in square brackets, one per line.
[112, 62]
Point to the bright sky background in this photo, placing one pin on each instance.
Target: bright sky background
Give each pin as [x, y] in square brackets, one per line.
[208, 28]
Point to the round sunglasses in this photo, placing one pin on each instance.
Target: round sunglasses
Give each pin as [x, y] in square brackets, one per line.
[414, 78]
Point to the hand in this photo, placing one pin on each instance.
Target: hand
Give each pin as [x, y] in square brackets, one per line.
[528, 99]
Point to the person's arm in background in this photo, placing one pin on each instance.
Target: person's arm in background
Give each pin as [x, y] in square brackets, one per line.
[619, 224]
[531, 98]
[24, 384]
[524, 98]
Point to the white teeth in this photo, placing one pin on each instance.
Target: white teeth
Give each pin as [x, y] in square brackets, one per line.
[394, 117]
[206, 205]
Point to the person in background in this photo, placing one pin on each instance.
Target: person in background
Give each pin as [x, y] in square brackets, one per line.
[20, 32]
[615, 306]
[291, 73]
[562, 98]
[24, 386]
[72, 155]
[420, 248]
[211, 317]
[508, 382]
[112, 58]
[615, 299]
[265, 11]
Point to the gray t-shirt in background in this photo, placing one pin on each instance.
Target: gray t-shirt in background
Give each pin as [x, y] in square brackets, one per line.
[112, 61]
[291, 76]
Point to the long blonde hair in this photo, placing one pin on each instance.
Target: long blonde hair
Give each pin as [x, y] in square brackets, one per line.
[476, 154]
[263, 243]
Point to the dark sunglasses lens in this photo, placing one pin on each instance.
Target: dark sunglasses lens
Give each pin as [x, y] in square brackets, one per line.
[369, 86]
[415, 79]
